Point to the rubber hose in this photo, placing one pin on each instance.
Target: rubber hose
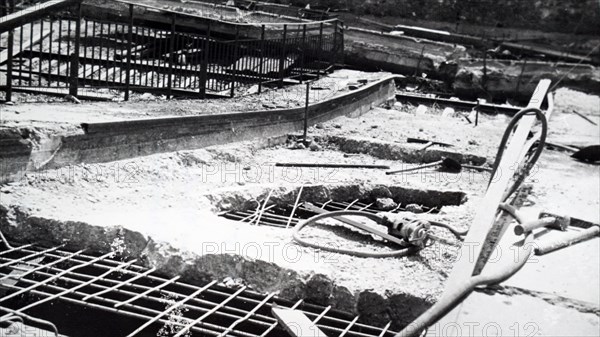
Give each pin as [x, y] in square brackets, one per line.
[397, 253]
[536, 155]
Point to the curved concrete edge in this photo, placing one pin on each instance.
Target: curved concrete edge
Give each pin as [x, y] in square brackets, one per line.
[105, 142]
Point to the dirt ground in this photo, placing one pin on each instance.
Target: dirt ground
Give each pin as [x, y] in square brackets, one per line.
[173, 199]
[42, 114]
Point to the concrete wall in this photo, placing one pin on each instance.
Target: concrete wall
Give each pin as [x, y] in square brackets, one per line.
[104, 142]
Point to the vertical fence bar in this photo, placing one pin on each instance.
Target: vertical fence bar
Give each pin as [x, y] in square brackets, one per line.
[73, 89]
[283, 56]
[59, 53]
[320, 48]
[103, 64]
[69, 54]
[9, 65]
[93, 65]
[306, 111]
[171, 51]
[85, 51]
[50, 53]
[21, 55]
[303, 54]
[262, 58]
[236, 48]
[32, 55]
[41, 51]
[147, 68]
[204, 66]
[129, 45]
[160, 78]
[155, 72]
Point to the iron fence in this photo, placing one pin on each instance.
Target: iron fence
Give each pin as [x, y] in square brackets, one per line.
[70, 52]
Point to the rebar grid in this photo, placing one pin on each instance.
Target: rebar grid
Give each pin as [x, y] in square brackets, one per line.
[127, 289]
[279, 216]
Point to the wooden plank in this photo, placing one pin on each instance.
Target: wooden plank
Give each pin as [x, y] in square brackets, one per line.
[484, 221]
[296, 323]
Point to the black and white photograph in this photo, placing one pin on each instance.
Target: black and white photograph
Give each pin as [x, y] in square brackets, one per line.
[299, 168]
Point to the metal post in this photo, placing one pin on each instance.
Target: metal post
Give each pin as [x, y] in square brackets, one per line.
[9, 65]
[262, 57]
[171, 59]
[236, 47]
[306, 111]
[303, 54]
[129, 46]
[320, 48]
[283, 56]
[204, 68]
[73, 88]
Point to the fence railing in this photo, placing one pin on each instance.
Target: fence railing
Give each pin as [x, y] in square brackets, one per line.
[68, 51]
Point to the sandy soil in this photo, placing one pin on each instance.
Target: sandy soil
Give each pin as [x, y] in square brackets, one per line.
[172, 198]
[43, 116]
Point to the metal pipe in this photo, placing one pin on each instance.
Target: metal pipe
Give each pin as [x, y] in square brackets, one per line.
[306, 111]
[129, 46]
[530, 226]
[329, 165]
[565, 240]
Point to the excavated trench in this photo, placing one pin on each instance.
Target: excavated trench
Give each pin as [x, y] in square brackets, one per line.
[249, 265]
[152, 218]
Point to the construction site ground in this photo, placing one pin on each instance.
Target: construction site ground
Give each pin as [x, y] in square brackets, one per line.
[168, 204]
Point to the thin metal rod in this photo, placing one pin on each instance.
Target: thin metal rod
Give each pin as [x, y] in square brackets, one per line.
[349, 327]
[385, 329]
[157, 299]
[100, 264]
[263, 207]
[22, 316]
[322, 314]
[124, 312]
[12, 249]
[295, 206]
[120, 284]
[158, 287]
[306, 111]
[274, 325]
[171, 308]
[351, 204]
[34, 304]
[68, 257]
[199, 319]
[30, 256]
[248, 315]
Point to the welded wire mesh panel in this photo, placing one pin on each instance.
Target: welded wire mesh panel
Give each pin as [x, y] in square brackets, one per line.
[53, 284]
[279, 216]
